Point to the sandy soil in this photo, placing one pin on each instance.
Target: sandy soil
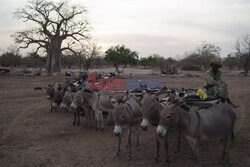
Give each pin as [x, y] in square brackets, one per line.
[30, 135]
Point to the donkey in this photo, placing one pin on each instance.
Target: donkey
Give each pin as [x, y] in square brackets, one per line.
[50, 94]
[213, 123]
[151, 108]
[126, 114]
[94, 103]
[68, 98]
[151, 114]
[55, 93]
[103, 104]
[83, 100]
[59, 92]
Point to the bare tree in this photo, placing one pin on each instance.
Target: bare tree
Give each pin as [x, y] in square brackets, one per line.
[80, 56]
[58, 27]
[230, 62]
[191, 62]
[98, 62]
[208, 52]
[242, 52]
[69, 59]
[86, 54]
[92, 51]
[159, 61]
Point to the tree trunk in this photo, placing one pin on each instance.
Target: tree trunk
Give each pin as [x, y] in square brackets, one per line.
[119, 72]
[246, 71]
[230, 68]
[53, 63]
[246, 68]
[87, 65]
[80, 64]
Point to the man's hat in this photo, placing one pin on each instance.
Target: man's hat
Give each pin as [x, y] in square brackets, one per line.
[216, 62]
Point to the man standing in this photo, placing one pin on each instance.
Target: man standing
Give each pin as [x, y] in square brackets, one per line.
[215, 85]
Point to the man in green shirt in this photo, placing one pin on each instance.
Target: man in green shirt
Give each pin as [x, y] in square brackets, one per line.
[215, 85]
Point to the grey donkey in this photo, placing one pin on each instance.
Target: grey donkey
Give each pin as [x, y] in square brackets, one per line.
[216, 122]
[127, 113]
[82, 101]
[151, 114]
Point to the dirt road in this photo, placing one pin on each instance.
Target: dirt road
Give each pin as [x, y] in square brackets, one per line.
[30, 135]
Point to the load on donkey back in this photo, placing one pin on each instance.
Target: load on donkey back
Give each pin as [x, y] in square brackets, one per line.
[214, 92]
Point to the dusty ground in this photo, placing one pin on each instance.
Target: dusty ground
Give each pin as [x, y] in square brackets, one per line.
[30, 135]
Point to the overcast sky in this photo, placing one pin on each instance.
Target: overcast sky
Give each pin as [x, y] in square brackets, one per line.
[165, 27]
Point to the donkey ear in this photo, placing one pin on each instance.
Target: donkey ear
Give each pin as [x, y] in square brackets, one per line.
[144, 92]
[125, 97]
[140, 98]
[159, 93]
[178, 102]
[112, 100]
[69, 89]
[74, 90]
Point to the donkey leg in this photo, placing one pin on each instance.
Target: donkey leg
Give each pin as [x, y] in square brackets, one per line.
[119, 146]
[178, 142]
[224, 150]
[196, 153]
[93, 114]
[78, 118]
[74, 122]
[195, 147]
[166, 149]
[129, 143]
[51, 108]
[110, 119]
[157, 148]
[137, 136]
[228, 142]
[97, 119]
[87, 118]
[101, 121]
[90, 118]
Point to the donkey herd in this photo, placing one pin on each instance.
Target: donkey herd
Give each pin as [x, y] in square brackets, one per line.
[163, 109]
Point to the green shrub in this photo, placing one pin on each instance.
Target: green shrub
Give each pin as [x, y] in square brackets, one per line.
[190, 67]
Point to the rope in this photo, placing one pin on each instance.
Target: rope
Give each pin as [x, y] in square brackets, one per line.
[134, 119]
[198, 116]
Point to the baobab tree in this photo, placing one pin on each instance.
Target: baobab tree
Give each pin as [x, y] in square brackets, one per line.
[56, 27]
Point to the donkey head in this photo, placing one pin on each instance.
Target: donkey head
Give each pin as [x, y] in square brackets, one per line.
[151, 108]
[169, 117]
[50, 91]
[77, 100]
[121, 114]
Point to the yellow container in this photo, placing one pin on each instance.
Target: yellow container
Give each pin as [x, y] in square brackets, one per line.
[77, 75]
